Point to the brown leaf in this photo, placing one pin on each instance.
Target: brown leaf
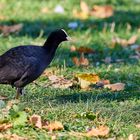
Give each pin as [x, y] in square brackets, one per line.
[85, 50]
[115, 87]
[5, 126]
[3, 97]
[83, 61]
[56, 125]
[80, 62]
[72, 48]
[132, 137]
[102, 11]
[76, 61]
[12, 137]
[84, 7]
[36, 121]
[59, 82]
[6, 30]
[101, 131]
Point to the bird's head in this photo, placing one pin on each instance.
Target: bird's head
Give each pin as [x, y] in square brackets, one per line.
[58, 36]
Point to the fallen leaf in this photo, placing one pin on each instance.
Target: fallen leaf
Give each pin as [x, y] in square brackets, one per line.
[82, 61]
[56, 125]
[36, 121]
[138, 125]
[124, 42]
[59, 82]
[133, 39]
[5, 126]
[102, 11]
[85, 50]
[84, 7]
[73, 48]
[132, 137]
[12, 137]
[76, 61]
[3, 97]
[85, 80]
[79, 14]
[115, 87]
[45, 10]
[101, 83]
[101, 131]
[6, 30]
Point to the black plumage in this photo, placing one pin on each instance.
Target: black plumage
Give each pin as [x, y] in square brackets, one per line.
[21, 65]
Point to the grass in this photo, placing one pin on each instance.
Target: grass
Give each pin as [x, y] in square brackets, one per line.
[120, 110]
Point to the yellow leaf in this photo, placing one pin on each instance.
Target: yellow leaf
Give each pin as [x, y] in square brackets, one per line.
[115, 87]
[86, 80]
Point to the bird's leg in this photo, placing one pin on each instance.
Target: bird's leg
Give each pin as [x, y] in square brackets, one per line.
[19, 92]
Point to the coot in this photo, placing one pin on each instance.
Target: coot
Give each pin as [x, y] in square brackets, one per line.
[21, 65]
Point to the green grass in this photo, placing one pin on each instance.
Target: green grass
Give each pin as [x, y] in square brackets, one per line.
[120, 110]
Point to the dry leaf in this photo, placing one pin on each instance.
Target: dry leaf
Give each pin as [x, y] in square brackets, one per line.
[12, 137]
[80, 15]
[59, 82]
[132, 40]
[124, 42]
[101, 131]
[84, 7]
[102, 11]
[5, 126]
[76, 61]
[80, 62]
[3, 97]
[45, 10]
[6, 30]
[85, 80]
[56, 125]
[115, 87]
[138, 125]
[132, 137]
[83, 61]
[36, 121]
[72, 48]
[85, 50]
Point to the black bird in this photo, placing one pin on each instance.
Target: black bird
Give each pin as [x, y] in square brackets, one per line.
[21, 65]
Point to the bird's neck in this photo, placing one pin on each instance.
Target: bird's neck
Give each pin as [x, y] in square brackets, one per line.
[51, 47]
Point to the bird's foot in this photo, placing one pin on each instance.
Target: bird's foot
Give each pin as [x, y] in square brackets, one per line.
[19, 92]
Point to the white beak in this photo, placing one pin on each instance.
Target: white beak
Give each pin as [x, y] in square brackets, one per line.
[68, 38]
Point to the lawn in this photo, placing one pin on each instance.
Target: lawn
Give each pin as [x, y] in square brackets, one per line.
[119, 110]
